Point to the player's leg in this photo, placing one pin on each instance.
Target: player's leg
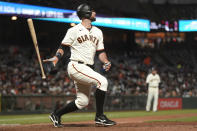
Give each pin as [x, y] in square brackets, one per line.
[83, 94]
[56, 115]
[155, 103]
[100, 118]
[82, 100]
[85, 74]
[149, 99]
[100, 94]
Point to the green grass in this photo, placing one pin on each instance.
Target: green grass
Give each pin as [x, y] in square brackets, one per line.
[72, 117]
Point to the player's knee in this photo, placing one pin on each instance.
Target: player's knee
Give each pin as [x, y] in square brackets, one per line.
[82, 102]
[104, 84]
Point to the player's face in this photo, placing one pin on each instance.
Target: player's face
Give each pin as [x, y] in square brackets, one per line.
[93, 17]
[154, 72]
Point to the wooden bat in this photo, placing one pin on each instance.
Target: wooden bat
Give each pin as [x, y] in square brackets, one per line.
[34, 38]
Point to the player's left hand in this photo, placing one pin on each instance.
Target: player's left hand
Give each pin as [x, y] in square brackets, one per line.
[107, 66]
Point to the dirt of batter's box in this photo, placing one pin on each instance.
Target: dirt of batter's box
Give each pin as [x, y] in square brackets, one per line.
[123, 124]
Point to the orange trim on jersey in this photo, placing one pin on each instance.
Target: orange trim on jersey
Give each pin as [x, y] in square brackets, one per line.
[87, 75]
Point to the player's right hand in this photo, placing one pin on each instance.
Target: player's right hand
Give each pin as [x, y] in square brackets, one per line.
[52, 60]
[49, 64]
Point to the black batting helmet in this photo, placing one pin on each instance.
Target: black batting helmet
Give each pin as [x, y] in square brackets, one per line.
[84, 11]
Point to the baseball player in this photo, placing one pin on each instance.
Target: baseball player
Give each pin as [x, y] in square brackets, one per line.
[84, 41]
[152, 82]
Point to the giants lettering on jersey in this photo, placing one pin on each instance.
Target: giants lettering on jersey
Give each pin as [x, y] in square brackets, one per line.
[88, 38]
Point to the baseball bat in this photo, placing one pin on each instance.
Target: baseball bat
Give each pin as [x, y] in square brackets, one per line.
[34, 38]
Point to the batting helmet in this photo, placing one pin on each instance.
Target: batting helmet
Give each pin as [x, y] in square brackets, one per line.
[84, 11]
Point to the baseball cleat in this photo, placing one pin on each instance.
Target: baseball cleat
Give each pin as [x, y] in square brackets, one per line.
[56, 120]
[103, 120]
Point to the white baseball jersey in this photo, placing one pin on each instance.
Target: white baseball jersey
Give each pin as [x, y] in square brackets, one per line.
[153, 91]
[153, 80]
[84, 43]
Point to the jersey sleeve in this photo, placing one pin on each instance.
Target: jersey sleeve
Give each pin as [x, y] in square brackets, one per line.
[100, 45]
[148, 79]
[69, 37]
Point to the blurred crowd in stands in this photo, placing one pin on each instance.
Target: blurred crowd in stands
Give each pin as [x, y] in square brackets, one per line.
[20, 73]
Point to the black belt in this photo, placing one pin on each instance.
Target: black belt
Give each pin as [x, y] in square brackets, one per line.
[81, 62]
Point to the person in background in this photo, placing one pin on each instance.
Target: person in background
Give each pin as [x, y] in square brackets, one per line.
[152, 81]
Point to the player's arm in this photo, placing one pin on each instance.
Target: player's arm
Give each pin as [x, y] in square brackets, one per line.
[147, 81]
[64, 47]
[159, 81]
[147, 85]
[102, 54]
[103, 58]
[59, 54]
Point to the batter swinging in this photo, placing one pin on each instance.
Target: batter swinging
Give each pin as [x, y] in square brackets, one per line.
[84, 41]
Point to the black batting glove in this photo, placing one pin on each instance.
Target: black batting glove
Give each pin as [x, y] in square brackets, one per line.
[48, 66]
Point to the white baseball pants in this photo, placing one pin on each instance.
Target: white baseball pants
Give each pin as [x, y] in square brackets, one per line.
[84, 78]
[152, 93]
